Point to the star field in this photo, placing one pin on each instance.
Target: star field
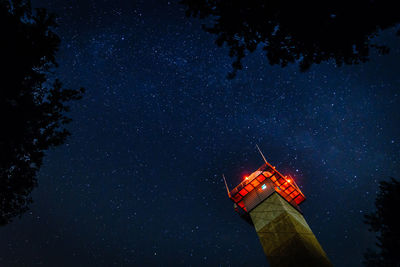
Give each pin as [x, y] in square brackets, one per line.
[139, 181]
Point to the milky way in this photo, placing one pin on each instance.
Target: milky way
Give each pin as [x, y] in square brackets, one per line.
[139, 181]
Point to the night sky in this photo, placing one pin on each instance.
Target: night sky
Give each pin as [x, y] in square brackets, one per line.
[139, 181]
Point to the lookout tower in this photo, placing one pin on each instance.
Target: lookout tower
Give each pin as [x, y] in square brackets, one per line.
[270, 202]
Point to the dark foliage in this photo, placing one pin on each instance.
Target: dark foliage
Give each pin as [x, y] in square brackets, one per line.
[385, 222]
[305, 32]
[32, 108]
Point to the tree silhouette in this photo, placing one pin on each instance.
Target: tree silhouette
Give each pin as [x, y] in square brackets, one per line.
[32, 105]
[305, 32]
[385, 222]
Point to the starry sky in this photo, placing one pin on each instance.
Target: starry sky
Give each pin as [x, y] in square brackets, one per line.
[139, 181]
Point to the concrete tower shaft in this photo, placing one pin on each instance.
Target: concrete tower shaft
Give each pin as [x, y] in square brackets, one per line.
[285, 236]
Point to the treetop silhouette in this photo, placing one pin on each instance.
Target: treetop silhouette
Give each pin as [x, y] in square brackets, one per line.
[304, 32]
[385, 223]
[32, 104]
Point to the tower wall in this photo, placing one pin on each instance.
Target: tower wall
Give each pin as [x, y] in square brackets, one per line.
[285, 236]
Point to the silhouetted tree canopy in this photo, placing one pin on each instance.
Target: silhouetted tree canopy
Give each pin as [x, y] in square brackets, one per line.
[385, 222]
[32, 105]
[305, 32]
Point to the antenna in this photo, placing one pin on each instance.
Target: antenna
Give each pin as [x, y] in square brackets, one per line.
[226, 185]
[262, 155]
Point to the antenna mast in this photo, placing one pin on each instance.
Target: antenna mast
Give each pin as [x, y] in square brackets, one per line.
[262, 155]
[226, 185]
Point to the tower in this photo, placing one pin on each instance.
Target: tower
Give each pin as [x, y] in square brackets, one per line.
[270, 202]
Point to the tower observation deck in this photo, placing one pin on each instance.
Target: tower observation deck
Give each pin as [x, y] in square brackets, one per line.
[260, 185]
[270, 202]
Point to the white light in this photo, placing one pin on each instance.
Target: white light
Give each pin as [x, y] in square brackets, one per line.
[263, 187]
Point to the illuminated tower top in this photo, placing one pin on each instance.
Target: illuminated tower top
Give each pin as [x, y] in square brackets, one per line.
[270, 202]
[262, 183]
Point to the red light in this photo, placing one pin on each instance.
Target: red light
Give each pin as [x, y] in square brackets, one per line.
[249, 187]
[289, 180]
[246, 177]
[255, 183]
[237, 197]
[261, 178]
[243, 192]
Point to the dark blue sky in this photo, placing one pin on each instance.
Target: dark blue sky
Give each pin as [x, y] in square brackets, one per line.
[139, 181]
